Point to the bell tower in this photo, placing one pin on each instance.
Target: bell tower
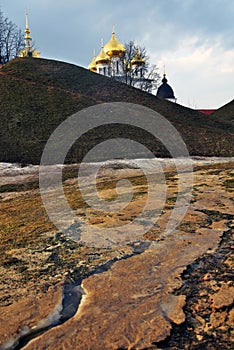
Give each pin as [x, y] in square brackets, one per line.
[28, 50]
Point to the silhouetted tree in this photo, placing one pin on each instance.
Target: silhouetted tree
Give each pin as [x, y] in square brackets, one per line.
[148, 71]
[11, 39]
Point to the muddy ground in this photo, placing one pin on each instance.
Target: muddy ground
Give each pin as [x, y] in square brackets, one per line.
[158, 291]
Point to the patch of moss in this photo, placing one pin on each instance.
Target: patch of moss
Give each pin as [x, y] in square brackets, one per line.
[19, 187]
[229, 184]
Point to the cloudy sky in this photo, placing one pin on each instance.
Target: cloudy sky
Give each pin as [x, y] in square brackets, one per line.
[193, 38]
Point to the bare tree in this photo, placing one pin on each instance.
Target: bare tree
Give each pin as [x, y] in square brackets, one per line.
[147, 79]
[11, 39]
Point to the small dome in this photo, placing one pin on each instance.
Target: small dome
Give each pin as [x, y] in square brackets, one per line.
[114, 47]
[165, 90]
[102, 57]
[27, 34]
[137, 60]
[93, 66]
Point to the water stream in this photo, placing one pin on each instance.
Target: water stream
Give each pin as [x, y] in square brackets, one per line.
[68, 306]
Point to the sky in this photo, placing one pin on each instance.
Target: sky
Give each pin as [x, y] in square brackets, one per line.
[194, 39]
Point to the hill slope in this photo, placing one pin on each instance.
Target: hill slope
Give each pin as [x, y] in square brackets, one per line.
[226, 115]
[38, 94]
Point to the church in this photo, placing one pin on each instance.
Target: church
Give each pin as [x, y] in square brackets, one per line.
[111, 62]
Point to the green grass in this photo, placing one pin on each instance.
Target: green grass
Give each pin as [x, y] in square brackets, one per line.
[38, 94]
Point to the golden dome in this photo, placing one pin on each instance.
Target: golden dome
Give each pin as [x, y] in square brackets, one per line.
[27, 34]
[93, 66]
[26, 53]
[137, 60]
[102, 57]
[114, 47]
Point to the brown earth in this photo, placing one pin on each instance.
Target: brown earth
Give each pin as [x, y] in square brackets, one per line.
[169, 291]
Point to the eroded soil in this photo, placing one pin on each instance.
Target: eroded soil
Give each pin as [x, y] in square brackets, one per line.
[171, 291]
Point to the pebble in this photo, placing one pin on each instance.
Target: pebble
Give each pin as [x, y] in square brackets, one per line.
[199, 337]
[207, 277]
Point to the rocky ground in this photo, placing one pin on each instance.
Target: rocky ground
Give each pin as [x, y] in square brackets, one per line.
[159, 291]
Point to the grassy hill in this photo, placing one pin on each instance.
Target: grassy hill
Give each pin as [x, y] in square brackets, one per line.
[225, 114]
[38, 94]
